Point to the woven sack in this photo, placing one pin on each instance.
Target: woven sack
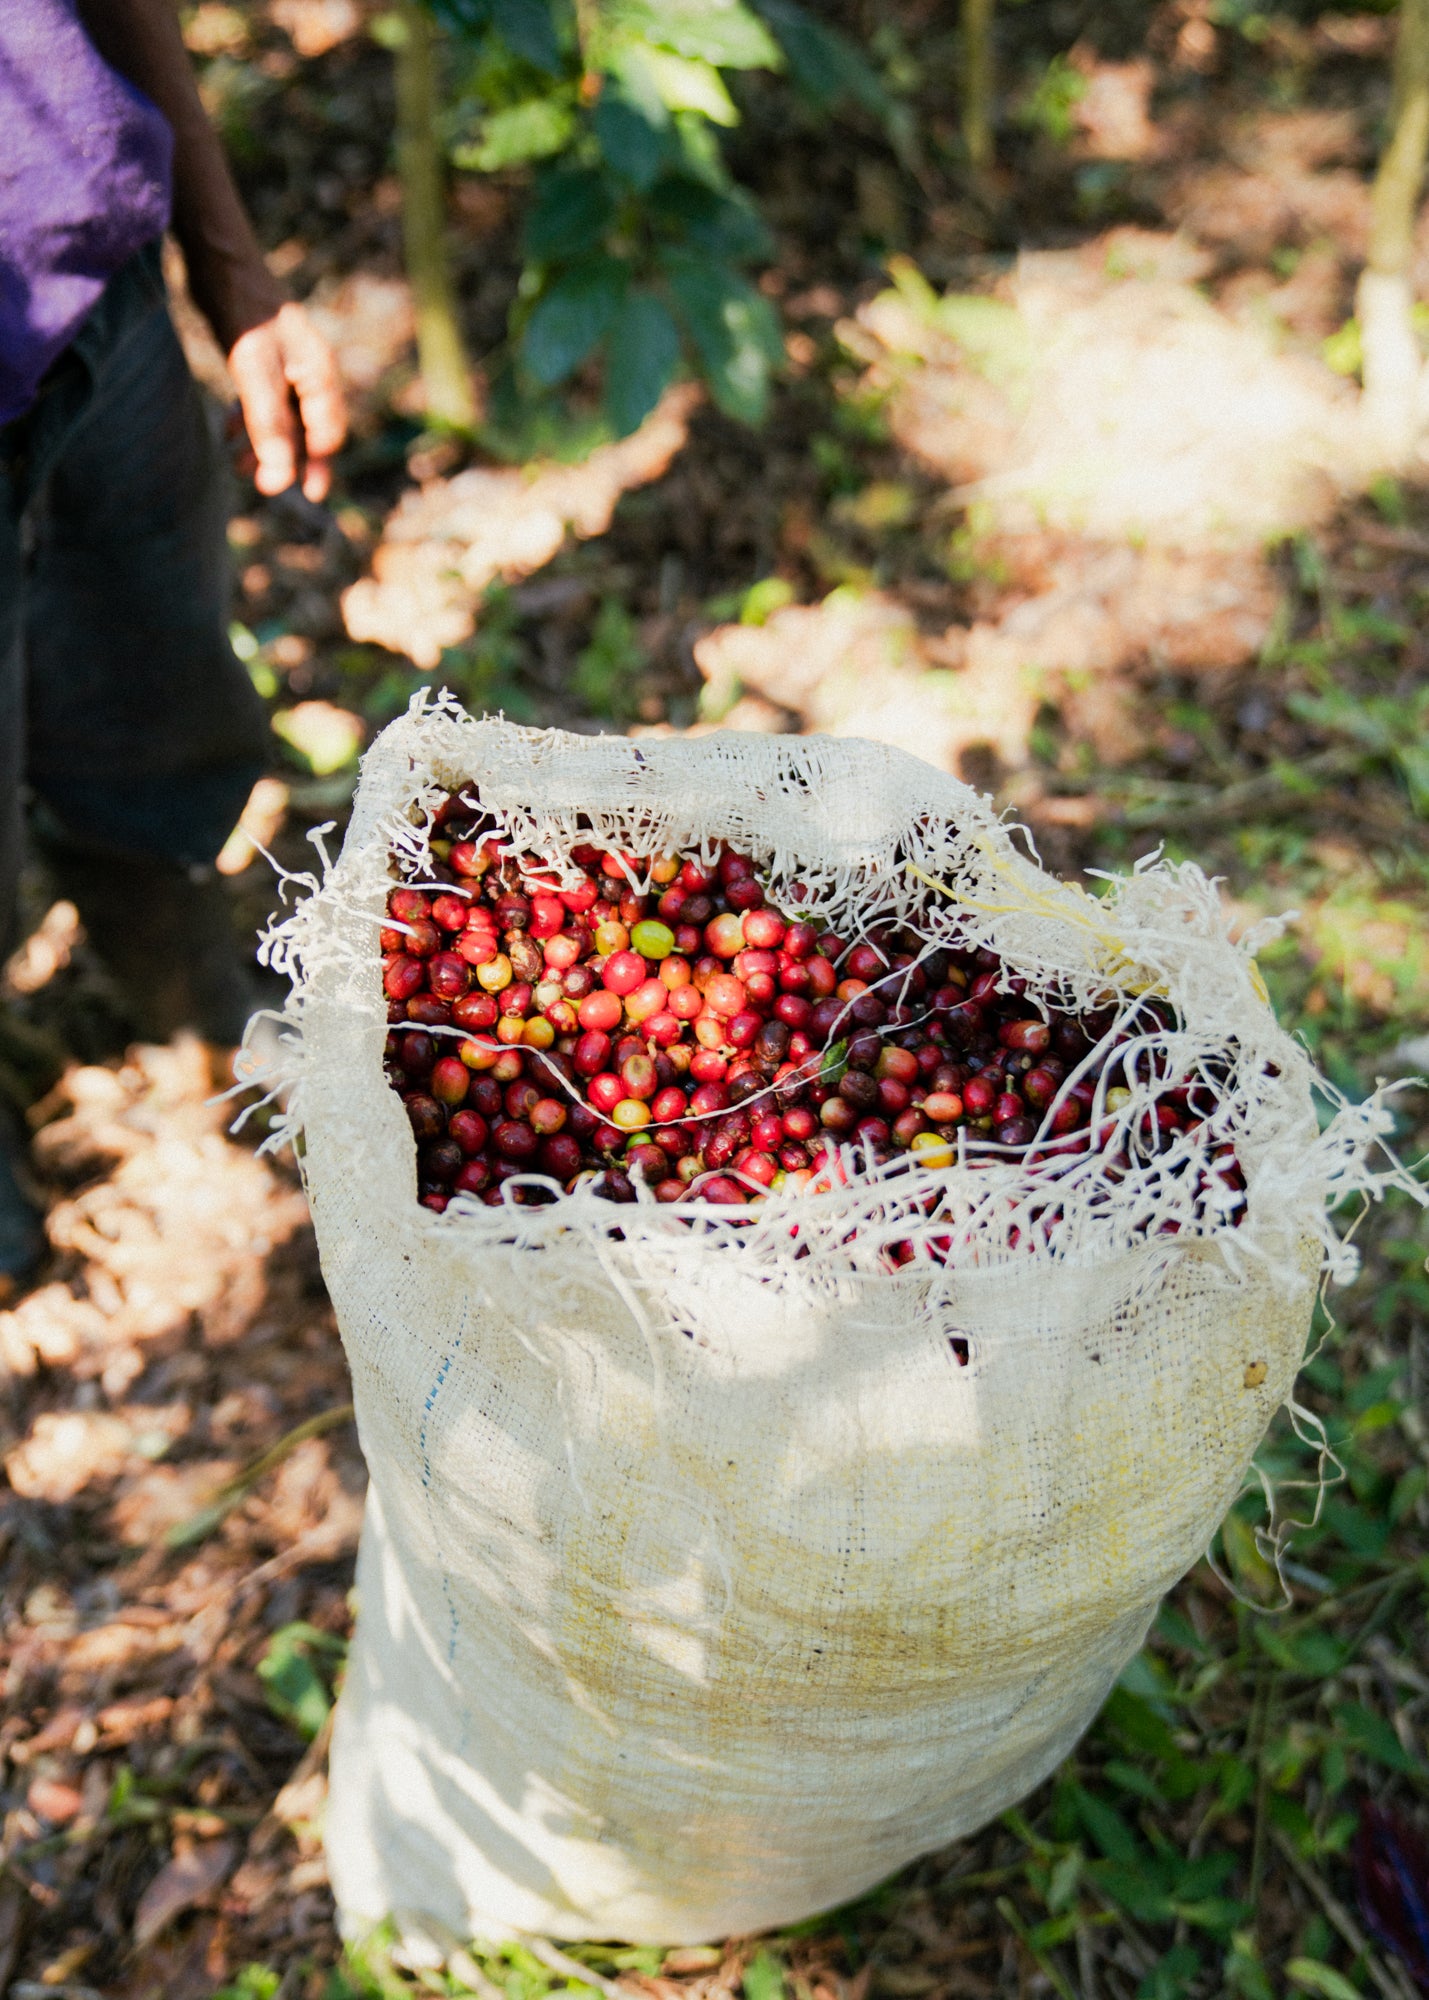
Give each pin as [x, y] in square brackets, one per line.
[710, 1571]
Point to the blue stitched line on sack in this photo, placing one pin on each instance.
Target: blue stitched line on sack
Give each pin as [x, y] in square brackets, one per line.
[427, 1408]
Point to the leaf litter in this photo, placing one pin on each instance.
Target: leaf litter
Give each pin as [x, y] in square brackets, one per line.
[181, 1333]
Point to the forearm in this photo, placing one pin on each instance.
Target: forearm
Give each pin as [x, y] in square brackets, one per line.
[227, 275]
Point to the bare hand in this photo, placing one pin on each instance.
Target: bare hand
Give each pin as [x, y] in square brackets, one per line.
[282, 362]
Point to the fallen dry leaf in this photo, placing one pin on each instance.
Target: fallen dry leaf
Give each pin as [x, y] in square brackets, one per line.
[185, 1879]
[184, 1224]
[122, 1721]
[46, 951]
[53, 1800]
[50, 1326]
[315, 26]
[1113, 113]
[161, 1497]
[259, 825]
[65, 1451]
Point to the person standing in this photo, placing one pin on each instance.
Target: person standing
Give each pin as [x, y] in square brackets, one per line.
[130, 734]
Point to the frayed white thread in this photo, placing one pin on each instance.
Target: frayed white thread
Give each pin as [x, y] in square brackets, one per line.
[1250, 1106]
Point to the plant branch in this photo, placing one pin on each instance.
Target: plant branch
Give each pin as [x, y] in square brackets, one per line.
[441, 352]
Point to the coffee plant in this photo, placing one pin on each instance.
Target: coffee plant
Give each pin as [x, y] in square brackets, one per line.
[638, 243]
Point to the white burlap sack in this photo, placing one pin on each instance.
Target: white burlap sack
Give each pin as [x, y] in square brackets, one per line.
[702, 1584]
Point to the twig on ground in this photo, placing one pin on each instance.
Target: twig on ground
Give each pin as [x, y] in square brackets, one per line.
[270, 1828]
[1087, 1962]
[1255, 1752]
[202, 1524]
[1267, 791]
[1046, 1966]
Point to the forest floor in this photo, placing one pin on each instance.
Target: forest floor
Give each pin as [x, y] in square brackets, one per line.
[1142, 595]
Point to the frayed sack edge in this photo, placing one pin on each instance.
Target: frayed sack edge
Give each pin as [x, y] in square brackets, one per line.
[1157, 932]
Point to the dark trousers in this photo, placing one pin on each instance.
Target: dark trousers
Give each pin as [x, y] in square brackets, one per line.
[124, 712]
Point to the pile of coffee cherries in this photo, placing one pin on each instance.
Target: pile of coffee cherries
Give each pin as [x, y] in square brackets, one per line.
[698, 1040]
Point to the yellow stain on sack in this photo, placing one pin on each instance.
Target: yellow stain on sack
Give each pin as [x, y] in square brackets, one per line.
[1255, 1372]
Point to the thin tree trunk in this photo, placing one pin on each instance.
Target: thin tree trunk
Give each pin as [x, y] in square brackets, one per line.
[979, 83]
[1392, 365]
[441, 352]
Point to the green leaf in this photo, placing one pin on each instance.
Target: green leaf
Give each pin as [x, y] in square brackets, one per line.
[1409, 1489]
[1312, 1652]
[1149, 1680]
[827, 66]
[254, 1982]
[1243, 1972]
[526, 27]
[1218, 1914]
[686, 84]
[1107, 1827]
[699, 217]
[1413, 762]
[571, 211]
[1176, 1628]
[1131, 1778]
[700, 155]
[1373, 1737]
[326, 737]
[634, 146]
[1313, 1977]
[521, 132]
[1248, 1566]
[465, 18]
[1066, 1875]
[571, 318]
[642, 353]
[734, 330]
[764, 1978]
[1056, 1930]
[607, 669]
[1171, 1976]
[1344, 349]
[1139, 1893]
[296, 1690]
[723, 32]
[1288, 1816]
[1363, 1530]
[1198, 1877]
[1138, 1724]
[835, 1062]
[523, 423]
[762, 599]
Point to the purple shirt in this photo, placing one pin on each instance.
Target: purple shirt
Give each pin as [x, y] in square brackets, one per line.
[85, 162]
